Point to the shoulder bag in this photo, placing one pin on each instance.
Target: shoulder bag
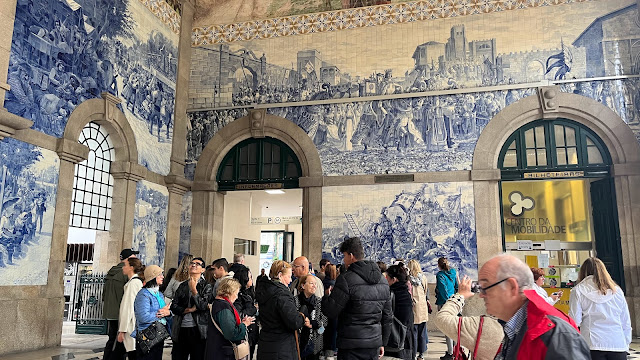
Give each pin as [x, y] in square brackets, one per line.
[398, 332]
[458, 354]
[241, 351]
[151, 336]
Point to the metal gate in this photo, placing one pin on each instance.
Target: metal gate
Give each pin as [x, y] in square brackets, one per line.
[89, 305]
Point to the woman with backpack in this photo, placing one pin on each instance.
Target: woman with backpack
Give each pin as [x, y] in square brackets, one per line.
[446, 285]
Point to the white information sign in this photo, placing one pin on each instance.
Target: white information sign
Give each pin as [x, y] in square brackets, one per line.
[276, 220]
[525, 245]
[552, 245]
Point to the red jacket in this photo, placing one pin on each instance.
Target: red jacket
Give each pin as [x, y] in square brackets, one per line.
[550, 334]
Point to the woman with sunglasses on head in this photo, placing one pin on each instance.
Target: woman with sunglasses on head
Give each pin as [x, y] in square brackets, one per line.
[598, 306]
[447, 321]
[191, 308]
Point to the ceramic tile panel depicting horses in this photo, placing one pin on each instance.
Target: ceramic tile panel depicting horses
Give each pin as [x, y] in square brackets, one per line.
[408, 221]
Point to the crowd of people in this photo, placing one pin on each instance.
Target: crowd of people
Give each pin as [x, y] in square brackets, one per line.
[359, 309]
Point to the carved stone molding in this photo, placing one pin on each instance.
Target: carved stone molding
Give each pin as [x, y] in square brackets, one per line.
[204, 186]
[256, 118]
[128, 171]
[177, 184]
[110, 106]
[71, 151]
[548, 102]
[10, 123]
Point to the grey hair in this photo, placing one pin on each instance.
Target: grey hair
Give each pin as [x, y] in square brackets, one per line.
[238, 257]
[510, 266]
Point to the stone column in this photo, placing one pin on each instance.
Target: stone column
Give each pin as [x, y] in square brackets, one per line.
[180, 123]
[207, 220]
[126, 176]
[312, 218]
[7, 18]
[486, 195]
[177, 187]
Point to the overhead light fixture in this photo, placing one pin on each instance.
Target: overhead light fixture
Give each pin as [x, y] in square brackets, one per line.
[274, 191]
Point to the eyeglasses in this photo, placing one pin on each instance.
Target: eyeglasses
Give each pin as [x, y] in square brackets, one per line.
[483, 290]
[196, 263]
[297, 266]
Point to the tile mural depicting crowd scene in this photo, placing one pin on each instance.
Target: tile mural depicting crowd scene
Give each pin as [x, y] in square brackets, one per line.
[65, 52]
[185, 224]
[28, 187]
[433, 55]
[407, 221]
[150, 222]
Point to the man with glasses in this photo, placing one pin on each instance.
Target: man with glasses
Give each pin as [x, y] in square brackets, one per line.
[190, 307]
[301, 268]
[533, 329]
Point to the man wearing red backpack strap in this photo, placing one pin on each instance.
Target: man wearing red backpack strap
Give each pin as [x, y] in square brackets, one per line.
[534, 330]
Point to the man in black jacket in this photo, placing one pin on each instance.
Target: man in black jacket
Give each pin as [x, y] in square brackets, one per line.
[190, 307]
[361, 302]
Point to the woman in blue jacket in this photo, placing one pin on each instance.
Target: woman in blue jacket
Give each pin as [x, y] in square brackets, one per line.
[149, 307]
[446, 285]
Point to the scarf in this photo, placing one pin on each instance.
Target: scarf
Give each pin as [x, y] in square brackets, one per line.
[155, 291]
[235, 312]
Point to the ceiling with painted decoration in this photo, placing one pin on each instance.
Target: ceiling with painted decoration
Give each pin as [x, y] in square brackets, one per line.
[213, 12]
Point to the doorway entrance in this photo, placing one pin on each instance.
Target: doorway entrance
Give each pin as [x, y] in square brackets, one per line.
[558, 200]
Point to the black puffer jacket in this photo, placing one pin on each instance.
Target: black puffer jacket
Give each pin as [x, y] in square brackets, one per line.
[403, 311]
[279, 319]
[183, 299]
[361, 302]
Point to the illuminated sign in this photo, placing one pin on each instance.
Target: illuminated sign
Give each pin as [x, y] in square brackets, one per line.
[553, 174]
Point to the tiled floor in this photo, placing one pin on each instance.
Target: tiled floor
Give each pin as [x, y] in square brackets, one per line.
[90, 347]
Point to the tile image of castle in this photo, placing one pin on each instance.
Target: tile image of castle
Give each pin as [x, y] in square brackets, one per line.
[422, 222]
[240, 77]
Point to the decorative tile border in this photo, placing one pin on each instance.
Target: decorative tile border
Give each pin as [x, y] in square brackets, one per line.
[165, 12]
[359, 17]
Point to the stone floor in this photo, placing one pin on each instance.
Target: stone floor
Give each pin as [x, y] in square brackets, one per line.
[90, 347]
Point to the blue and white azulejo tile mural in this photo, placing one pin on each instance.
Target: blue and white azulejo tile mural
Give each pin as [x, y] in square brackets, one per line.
[28, 188]
[150, 222]
[408, 221]
[185, 225]
[64, 52]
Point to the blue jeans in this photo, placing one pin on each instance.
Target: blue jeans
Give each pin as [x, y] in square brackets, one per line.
[420, 338]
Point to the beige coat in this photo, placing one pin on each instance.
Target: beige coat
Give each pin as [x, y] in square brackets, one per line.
[127, 318]
[419, 295]
[492, 332]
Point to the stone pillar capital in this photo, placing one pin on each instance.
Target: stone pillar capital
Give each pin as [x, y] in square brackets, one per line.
[10, 123]
[128, 171]
[71, 151]
[204, 186]
[177, 184]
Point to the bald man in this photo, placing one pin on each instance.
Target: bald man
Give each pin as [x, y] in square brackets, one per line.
[533, 328]
[300, 269]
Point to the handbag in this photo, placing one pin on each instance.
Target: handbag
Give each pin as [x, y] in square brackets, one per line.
[458, 354]
[398, 332]
[151, 336]
[241, 351]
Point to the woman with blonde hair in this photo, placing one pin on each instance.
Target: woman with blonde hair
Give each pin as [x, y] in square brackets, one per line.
[598, 306]
[279, 318]
[226, 327]
[179, 276]
[420, 297]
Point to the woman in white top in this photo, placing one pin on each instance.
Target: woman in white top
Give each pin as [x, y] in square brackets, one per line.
[538, 281]
[134, 269]
[598, 306]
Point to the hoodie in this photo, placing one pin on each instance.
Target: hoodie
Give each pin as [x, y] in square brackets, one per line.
[603, 318]
[361, 302]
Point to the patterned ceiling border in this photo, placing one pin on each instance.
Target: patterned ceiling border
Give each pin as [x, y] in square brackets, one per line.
[165, 12]
[358, 18]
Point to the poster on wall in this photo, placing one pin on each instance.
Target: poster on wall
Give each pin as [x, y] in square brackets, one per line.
[150, 223]
[546, 211]
[271, 248]
[28, 188]
[404, 221]
[64, 52]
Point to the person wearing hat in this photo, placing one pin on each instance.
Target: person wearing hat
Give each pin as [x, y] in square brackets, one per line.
[150, 307]
[112, 297]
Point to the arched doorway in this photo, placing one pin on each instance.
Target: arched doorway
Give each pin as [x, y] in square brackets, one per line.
[211, 183]
[549, 104]
[557, 193]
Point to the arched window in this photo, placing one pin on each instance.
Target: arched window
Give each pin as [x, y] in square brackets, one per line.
[560, 145]
[259, 161]
[92, 183]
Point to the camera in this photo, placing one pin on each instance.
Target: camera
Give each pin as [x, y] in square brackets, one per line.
[475, 287]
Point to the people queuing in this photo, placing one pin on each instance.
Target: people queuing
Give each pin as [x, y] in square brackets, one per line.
[353, 312]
